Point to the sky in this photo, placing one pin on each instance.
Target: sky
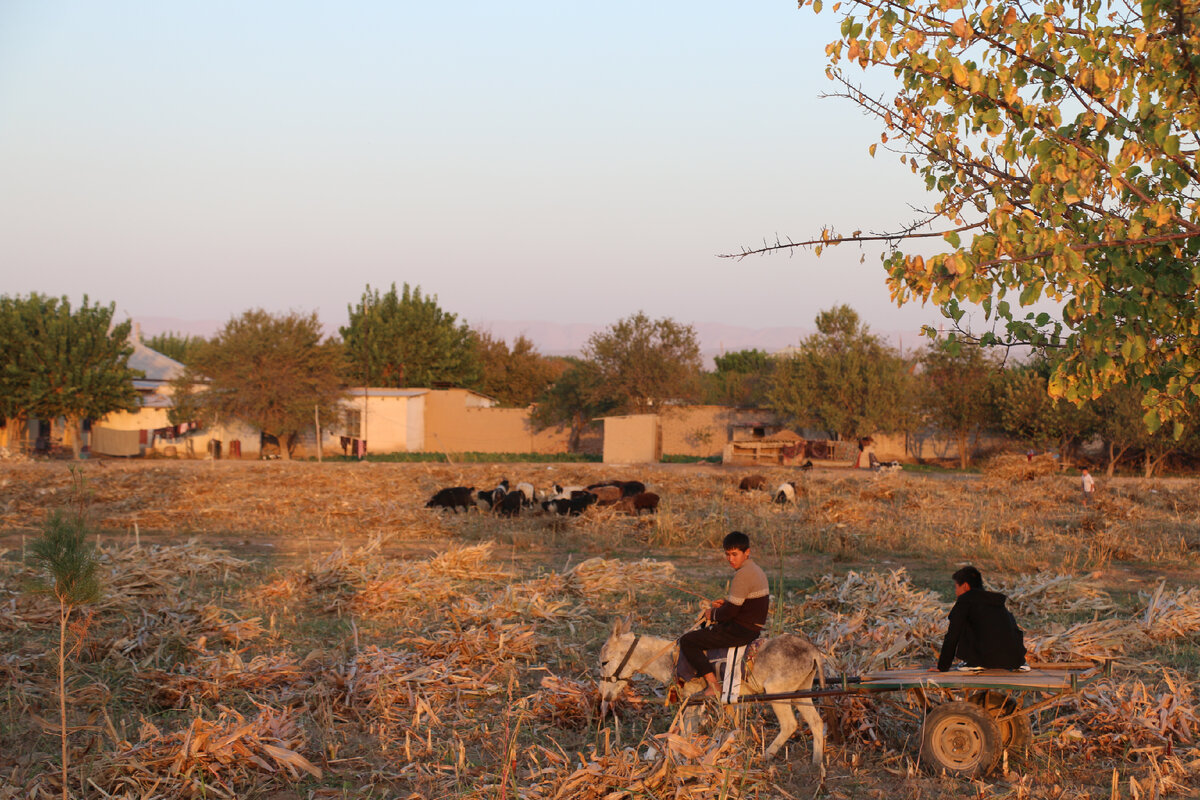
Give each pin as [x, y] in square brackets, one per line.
[533, 160]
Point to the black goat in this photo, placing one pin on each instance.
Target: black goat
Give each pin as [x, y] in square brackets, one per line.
[452, 497]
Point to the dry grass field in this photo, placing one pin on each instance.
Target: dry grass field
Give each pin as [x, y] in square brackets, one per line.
[295, 630]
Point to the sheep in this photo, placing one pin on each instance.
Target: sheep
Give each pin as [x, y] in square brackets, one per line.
[452, 497]
[559, 492]
[573, 506]
[527, 492]
[635, 505]
[510, 504]
[806, 466]
[786, 493]
[752, 482]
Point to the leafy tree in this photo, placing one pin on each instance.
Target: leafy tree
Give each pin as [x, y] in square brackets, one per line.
[842, 379]
[270, 371]
[406, 339]
[515, 376]
[643, 363]
[957, 385]
[1119, 423]
[741, 378]
[1029, 412]
[575, 399]
[1058, 140]
[56, 361]
[179, 346]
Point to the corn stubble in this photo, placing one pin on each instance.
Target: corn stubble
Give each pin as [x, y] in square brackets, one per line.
[378, 647]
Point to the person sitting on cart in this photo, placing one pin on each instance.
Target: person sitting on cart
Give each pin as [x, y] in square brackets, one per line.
[737, 620]
[983, 632]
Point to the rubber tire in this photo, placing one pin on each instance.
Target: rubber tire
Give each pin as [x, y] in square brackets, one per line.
[1016, 733]
[961, 738]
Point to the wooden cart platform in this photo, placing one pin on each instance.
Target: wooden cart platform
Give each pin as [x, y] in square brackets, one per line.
[969, 718]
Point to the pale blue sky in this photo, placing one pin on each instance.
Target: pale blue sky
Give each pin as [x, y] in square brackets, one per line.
[534, 160]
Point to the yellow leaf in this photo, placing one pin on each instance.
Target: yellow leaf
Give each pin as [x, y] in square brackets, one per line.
[960, 28]
[960, 74]
[880, 50]
[872, 150]
[1102, 80]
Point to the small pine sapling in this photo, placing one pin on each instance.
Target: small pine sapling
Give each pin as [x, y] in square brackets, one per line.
[69, 566]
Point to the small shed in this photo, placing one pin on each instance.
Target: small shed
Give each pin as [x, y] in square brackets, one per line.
[632, 439]
[784, 447]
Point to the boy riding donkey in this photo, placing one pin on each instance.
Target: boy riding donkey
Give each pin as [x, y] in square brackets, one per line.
[736, 620]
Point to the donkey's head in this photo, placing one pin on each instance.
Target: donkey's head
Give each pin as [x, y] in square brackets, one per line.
[616, 663]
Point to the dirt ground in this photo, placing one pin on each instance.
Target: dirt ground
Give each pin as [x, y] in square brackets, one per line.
[262, 591]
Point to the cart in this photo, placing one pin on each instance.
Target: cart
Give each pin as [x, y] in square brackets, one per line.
[970, 718]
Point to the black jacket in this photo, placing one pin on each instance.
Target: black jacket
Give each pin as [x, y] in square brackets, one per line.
[983, 633]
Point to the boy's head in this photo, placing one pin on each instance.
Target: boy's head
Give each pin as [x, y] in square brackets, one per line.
[737, 548]
[735, 541]
[969, 577]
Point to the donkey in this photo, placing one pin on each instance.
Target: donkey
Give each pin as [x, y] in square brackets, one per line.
[786, 663]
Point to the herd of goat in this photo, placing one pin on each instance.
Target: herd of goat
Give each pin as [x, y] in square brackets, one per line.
[509, 501]
[628, 496]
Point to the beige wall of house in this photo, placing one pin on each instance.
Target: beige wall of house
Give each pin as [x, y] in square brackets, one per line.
[391, 420]
[633, 439]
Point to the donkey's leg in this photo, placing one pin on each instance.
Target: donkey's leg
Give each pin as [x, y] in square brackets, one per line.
[817, 727]
[787, 724]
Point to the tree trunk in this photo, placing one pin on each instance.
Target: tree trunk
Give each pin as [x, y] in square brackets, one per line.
[74, 429]
[964, 457]
[64, 611]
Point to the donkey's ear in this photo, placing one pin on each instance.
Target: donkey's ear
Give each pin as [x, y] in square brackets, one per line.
[616, 627]
[626, 625]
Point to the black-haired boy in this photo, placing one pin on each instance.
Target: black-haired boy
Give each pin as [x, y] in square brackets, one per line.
[737, 619]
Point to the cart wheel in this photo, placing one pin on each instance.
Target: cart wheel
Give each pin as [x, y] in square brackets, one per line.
[961, 738]
[1016, 733]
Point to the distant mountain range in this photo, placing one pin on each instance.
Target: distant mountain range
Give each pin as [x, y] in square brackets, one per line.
[568, 338]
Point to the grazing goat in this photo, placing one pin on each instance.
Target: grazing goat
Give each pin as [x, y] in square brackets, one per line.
[510, 504]
[628, 488]
[452, 497]
[643, 501]
[786, 493]
[571, 507]
[752, 482]
[527, 492]
[487, 499]
[806, 466]
[606, 495]
[559, 492]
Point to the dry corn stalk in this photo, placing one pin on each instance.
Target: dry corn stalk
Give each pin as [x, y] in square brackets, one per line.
[600, 575]
[1049, 593]
[222, 757]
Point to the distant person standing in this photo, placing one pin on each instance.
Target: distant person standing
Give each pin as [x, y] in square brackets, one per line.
[1088, 484]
